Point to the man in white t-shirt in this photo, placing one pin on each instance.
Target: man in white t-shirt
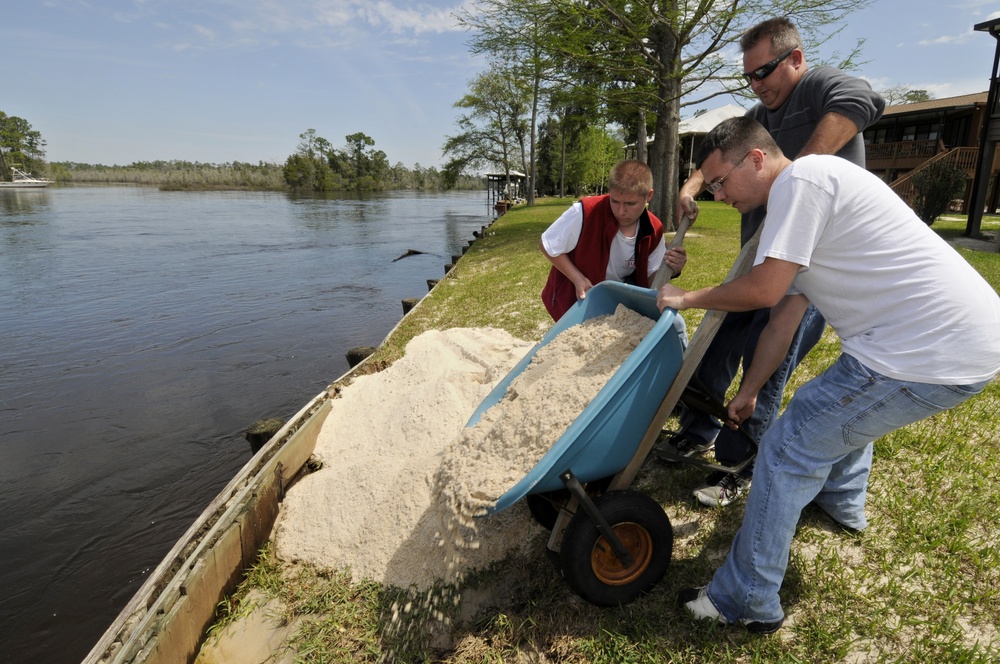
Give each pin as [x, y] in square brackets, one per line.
[918, 335]
[606, 238]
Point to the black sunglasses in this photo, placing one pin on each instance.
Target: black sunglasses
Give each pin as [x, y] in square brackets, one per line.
[761, 73]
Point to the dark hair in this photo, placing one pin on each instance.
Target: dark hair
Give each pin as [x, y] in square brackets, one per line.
[782, 33]
[734, 138]
[632, 176]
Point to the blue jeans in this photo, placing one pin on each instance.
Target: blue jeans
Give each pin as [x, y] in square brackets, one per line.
[819, 450]
[737, 339]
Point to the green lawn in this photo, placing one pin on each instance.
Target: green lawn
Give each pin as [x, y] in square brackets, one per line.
[920, 584]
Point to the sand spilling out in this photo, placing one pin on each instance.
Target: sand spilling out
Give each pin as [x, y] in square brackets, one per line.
[487, 459]
[403, 476]
[366, 509]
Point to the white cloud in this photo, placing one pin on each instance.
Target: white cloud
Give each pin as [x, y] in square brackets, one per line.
[205, 32]
[351, 16]
[419, 19]
[947, 40]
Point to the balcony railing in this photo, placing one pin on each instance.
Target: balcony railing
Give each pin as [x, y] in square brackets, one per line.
[901, 150]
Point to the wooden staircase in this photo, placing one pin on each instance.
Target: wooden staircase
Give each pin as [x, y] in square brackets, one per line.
[965, 158]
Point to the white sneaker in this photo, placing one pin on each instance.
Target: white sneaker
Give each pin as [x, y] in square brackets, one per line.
[721, 489]
[697, 603]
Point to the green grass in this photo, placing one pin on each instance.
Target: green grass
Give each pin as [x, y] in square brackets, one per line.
[920, 584]
[952, 227]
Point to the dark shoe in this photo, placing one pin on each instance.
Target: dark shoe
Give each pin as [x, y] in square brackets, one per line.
[680, 446]
[721, 489]
[696, 602]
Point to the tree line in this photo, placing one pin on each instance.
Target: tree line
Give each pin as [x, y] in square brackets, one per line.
[187, 175]
[315, 166]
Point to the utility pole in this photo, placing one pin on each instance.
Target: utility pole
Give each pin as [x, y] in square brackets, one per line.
[987, 139]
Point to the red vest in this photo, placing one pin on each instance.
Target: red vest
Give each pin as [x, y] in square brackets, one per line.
[594, 249]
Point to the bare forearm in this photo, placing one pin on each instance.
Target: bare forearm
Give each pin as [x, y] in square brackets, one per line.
[831, 133]
[734, 296]
[686, 206]
[566, 266]
[693, 185]
[762, 287]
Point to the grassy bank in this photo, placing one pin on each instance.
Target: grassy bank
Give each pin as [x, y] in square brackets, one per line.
[919, 585]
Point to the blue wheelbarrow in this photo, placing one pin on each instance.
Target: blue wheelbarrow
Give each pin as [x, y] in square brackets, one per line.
[616, 544]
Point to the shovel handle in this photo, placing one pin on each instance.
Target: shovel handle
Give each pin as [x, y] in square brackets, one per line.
[664, 274]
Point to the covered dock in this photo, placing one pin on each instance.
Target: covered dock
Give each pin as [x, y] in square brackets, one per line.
[505, 186]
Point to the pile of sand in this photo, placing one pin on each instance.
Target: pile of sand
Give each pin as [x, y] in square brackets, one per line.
[402, 474]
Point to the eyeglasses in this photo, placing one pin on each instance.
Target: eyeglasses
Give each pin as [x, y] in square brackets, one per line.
[761, 73]
[713, 187]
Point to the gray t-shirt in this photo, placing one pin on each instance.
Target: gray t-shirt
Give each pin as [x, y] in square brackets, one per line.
[819, 91]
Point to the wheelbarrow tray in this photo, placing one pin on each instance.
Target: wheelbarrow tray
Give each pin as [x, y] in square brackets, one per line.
[604, 438]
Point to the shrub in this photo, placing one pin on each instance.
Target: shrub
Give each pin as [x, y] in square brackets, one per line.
[936, 186]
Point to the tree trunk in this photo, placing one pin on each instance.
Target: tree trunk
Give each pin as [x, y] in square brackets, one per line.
[532, 172]
[664, 160]
[562, 156]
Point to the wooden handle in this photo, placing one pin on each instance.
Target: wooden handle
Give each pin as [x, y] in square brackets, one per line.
[664, 274]
[696, 350]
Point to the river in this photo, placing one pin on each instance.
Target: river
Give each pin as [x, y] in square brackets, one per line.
[140, 333]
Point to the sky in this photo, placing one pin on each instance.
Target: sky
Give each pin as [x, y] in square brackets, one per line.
[215, 81]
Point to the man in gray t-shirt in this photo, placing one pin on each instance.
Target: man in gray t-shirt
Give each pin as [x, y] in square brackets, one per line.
[806, 111]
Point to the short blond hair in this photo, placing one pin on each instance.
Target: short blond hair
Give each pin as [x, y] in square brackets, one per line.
[631, 176]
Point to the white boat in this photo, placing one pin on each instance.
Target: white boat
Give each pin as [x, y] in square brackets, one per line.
[22, 180]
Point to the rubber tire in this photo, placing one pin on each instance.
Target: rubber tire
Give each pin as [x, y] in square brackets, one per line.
[591, 568]
[545, 506]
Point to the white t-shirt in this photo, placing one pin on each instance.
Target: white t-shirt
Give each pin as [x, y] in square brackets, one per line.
[561, 238]
[901, 299]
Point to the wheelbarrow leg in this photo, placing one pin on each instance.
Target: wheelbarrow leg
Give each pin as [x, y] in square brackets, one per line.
[578, 492]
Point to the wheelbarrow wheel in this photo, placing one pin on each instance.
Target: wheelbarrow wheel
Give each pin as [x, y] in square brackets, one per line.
[591, 567]
[544, 507]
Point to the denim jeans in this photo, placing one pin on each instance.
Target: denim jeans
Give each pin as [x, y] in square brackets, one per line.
[737, 338]
[819, 450]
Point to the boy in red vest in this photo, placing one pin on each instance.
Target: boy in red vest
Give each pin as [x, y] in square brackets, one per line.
[606, 238]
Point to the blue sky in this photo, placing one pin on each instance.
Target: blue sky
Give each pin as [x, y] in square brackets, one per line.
[118, 81]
